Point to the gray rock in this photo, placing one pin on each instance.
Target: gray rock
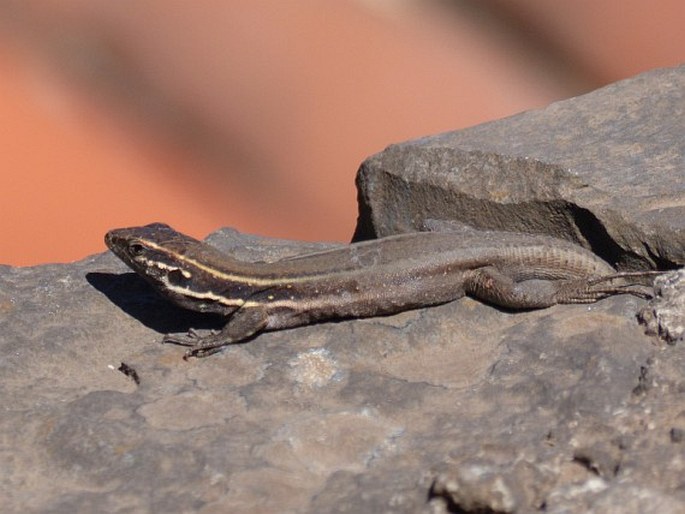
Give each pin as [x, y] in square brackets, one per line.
[456, 408]
[665, 314]
[604, 170]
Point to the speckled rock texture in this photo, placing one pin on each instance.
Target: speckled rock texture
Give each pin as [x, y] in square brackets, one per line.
[665, 314]
[457, 408]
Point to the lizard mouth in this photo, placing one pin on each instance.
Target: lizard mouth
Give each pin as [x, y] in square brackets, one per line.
[111, 239]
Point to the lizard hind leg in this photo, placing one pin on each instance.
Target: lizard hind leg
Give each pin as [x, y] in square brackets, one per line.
[493, 286]
[583, 291]
[591, 290]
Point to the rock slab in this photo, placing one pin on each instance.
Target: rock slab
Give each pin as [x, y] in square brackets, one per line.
[604, 170]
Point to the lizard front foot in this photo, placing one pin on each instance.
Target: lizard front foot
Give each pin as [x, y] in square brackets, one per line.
[199, 346]
[190, 338]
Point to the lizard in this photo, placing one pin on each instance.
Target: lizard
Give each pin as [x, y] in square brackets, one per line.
[363, 279]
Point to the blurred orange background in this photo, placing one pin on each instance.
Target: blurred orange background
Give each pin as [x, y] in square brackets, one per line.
[256, 114]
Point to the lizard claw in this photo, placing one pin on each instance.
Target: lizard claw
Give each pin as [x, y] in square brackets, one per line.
[199, 352]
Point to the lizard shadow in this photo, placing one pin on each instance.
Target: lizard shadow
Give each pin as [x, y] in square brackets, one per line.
[138, 299]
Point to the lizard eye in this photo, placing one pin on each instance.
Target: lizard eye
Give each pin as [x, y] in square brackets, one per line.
[135, 249]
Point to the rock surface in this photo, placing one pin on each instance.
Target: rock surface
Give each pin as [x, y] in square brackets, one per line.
[665, 314]
[604, 170]
[456, 408]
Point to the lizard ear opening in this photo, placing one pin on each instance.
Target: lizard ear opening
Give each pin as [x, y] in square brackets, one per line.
[178, 277]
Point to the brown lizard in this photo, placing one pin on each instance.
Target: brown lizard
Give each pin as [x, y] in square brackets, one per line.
[383, 276]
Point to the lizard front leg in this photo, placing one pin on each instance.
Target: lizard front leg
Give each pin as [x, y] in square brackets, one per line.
[243, 324]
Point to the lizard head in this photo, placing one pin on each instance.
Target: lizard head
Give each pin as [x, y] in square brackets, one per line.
[170, 261]
[148, 250]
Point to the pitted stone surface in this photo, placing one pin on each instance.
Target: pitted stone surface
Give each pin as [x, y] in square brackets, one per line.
[460, 406]
[665, 314]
